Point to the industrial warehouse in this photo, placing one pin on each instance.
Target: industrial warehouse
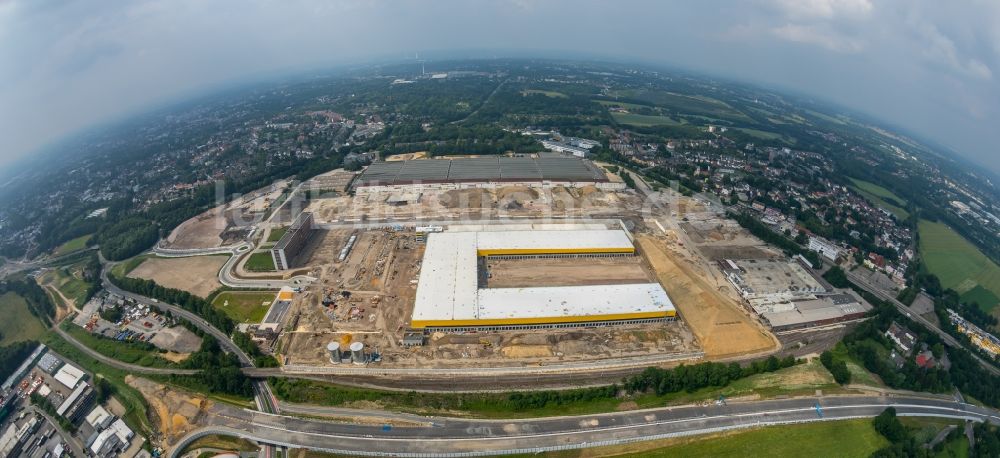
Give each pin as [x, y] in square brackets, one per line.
[454, 294]
[787, 297]
[287, 250]
[481, 172]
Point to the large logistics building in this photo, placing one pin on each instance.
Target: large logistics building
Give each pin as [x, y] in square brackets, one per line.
[481, 172]
[449, 296]
[292, 242]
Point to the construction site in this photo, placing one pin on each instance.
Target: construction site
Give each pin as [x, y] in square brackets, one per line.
[370, 296]
[520, 273]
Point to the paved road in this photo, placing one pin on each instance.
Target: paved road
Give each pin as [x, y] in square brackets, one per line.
[116, 363]
[888, 296]
[263, 397]
[465, 437]
[68, 438]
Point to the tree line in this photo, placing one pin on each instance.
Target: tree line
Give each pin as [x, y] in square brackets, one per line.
[200, 307]
[38, 301]
[763, 232]
[693, 377]
[11, 356]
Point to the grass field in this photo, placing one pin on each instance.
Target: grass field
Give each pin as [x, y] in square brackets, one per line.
[842, 438]
[76, 244]
[244, 307]
[135, 404]
[959, 264]
[123, 268]
[848, 438]
[859, 375]
[686, 104]
[633, 119]
[802, 379]
[762, 134]
[627, 106]
[18, 324]
[129, 352]
[881, 197]
[260, 261]
[552, 94]
[223, 443]
[68, 280]
[276, 234]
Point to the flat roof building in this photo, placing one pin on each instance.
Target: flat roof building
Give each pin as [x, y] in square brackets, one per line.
[292, 242]
[69, 376]
[448, 293]
[451, 173]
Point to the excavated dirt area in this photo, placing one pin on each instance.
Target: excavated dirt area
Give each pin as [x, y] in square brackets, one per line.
[723, 329]
[566, 272]
[198, 275]
[175, 413]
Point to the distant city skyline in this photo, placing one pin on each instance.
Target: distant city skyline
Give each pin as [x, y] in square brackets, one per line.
[926, 67]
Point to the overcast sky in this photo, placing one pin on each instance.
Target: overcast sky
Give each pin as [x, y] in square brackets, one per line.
[930, 66]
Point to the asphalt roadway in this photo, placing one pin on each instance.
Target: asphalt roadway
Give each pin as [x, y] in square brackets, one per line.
[467, 437]
[886, 296]
[116, 363]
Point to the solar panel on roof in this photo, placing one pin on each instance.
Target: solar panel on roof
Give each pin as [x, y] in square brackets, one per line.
[519, 168]
[480, 168]
[424, 170]
[381, 172]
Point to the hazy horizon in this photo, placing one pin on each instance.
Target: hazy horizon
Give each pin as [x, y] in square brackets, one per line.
[926, 68]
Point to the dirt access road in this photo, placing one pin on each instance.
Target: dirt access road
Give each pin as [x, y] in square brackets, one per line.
[724, 330]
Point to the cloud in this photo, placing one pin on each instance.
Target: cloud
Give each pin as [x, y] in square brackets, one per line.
[825, 9]
[923, 64]
[814, 35]
[941, 50]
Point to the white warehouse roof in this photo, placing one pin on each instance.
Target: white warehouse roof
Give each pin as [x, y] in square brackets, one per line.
[448, 292]
[553, 241]
[69, 375]
[572, 301]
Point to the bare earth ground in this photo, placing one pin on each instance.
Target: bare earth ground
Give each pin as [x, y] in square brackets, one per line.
[175, 412]
[566, 272]
[202, 231]
[383, 265]
[722, 328]
[197, 275]
[177, 339]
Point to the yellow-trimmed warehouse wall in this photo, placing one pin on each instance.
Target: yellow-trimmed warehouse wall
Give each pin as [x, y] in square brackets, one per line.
[515, 251]
[420, 324]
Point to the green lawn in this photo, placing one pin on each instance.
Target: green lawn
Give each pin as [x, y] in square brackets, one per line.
[18, 324]
[633, 119]
[684, 104]
[826, 117]
[222, 443]
[881, 197]
[847, 438]
[276, 234]
[958, 263]
[135, 405]
[762, 134]
[76, 244]
[123, 268]
[627, 106]
[244, 306]
[260, 261]
[802, 379]
[552, 94]
[68, 280]
[142, 354]
[859, 375]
